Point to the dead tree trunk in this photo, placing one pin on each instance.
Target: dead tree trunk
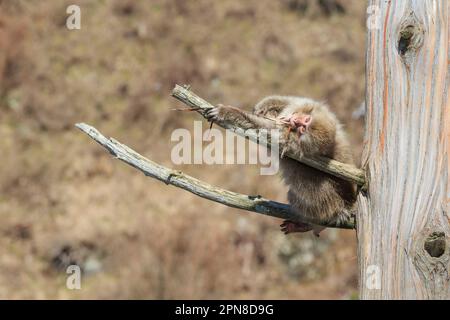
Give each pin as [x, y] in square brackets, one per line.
[403, 222]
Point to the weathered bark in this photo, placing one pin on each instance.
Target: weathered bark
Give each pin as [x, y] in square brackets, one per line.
[403, 222]
[178, 179]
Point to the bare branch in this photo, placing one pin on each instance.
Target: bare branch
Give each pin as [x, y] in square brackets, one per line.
[333, 167]
[178, 179]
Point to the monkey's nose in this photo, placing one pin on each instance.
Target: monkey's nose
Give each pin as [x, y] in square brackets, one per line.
[302, 120]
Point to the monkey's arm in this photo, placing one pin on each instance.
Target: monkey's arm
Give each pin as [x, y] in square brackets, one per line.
[309, 145]
[240, 117]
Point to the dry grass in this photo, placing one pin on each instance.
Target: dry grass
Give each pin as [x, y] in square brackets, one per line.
[64, 200]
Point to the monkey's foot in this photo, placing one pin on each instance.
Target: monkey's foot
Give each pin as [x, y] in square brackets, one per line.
[290, 227]
[317, 230]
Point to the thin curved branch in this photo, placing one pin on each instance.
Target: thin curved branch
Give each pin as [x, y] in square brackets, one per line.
[333, 167]
[178, 179]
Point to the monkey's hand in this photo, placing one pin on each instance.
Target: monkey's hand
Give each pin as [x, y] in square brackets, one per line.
[283, 140]
[222, 113]
[290, 142]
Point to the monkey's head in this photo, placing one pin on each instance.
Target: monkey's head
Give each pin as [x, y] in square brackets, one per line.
[311, 120]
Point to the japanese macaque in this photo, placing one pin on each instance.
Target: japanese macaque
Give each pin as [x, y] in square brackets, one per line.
[312, 130]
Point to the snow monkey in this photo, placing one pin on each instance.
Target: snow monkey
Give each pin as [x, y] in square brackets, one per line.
[316, 132]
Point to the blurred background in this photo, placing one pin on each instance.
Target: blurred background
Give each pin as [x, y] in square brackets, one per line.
[64, 200]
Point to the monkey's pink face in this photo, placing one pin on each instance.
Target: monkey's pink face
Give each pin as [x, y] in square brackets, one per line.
[310, 120]
[300, 120]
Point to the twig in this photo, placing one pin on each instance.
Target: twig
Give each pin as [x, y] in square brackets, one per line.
[178, 179]
[333, 167]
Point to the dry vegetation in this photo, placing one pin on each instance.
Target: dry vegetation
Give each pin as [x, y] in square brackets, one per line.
[63, 199]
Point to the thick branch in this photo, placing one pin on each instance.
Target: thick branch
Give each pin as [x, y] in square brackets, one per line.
[333, 167]
[178, 179]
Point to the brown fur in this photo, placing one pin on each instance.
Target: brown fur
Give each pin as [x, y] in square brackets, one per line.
[312, 193]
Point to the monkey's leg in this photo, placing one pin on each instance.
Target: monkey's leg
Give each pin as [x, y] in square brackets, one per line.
[290, 227]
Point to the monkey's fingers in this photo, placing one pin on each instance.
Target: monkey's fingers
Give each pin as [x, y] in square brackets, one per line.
[285, 223]
[212, 114]
[286, 226]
